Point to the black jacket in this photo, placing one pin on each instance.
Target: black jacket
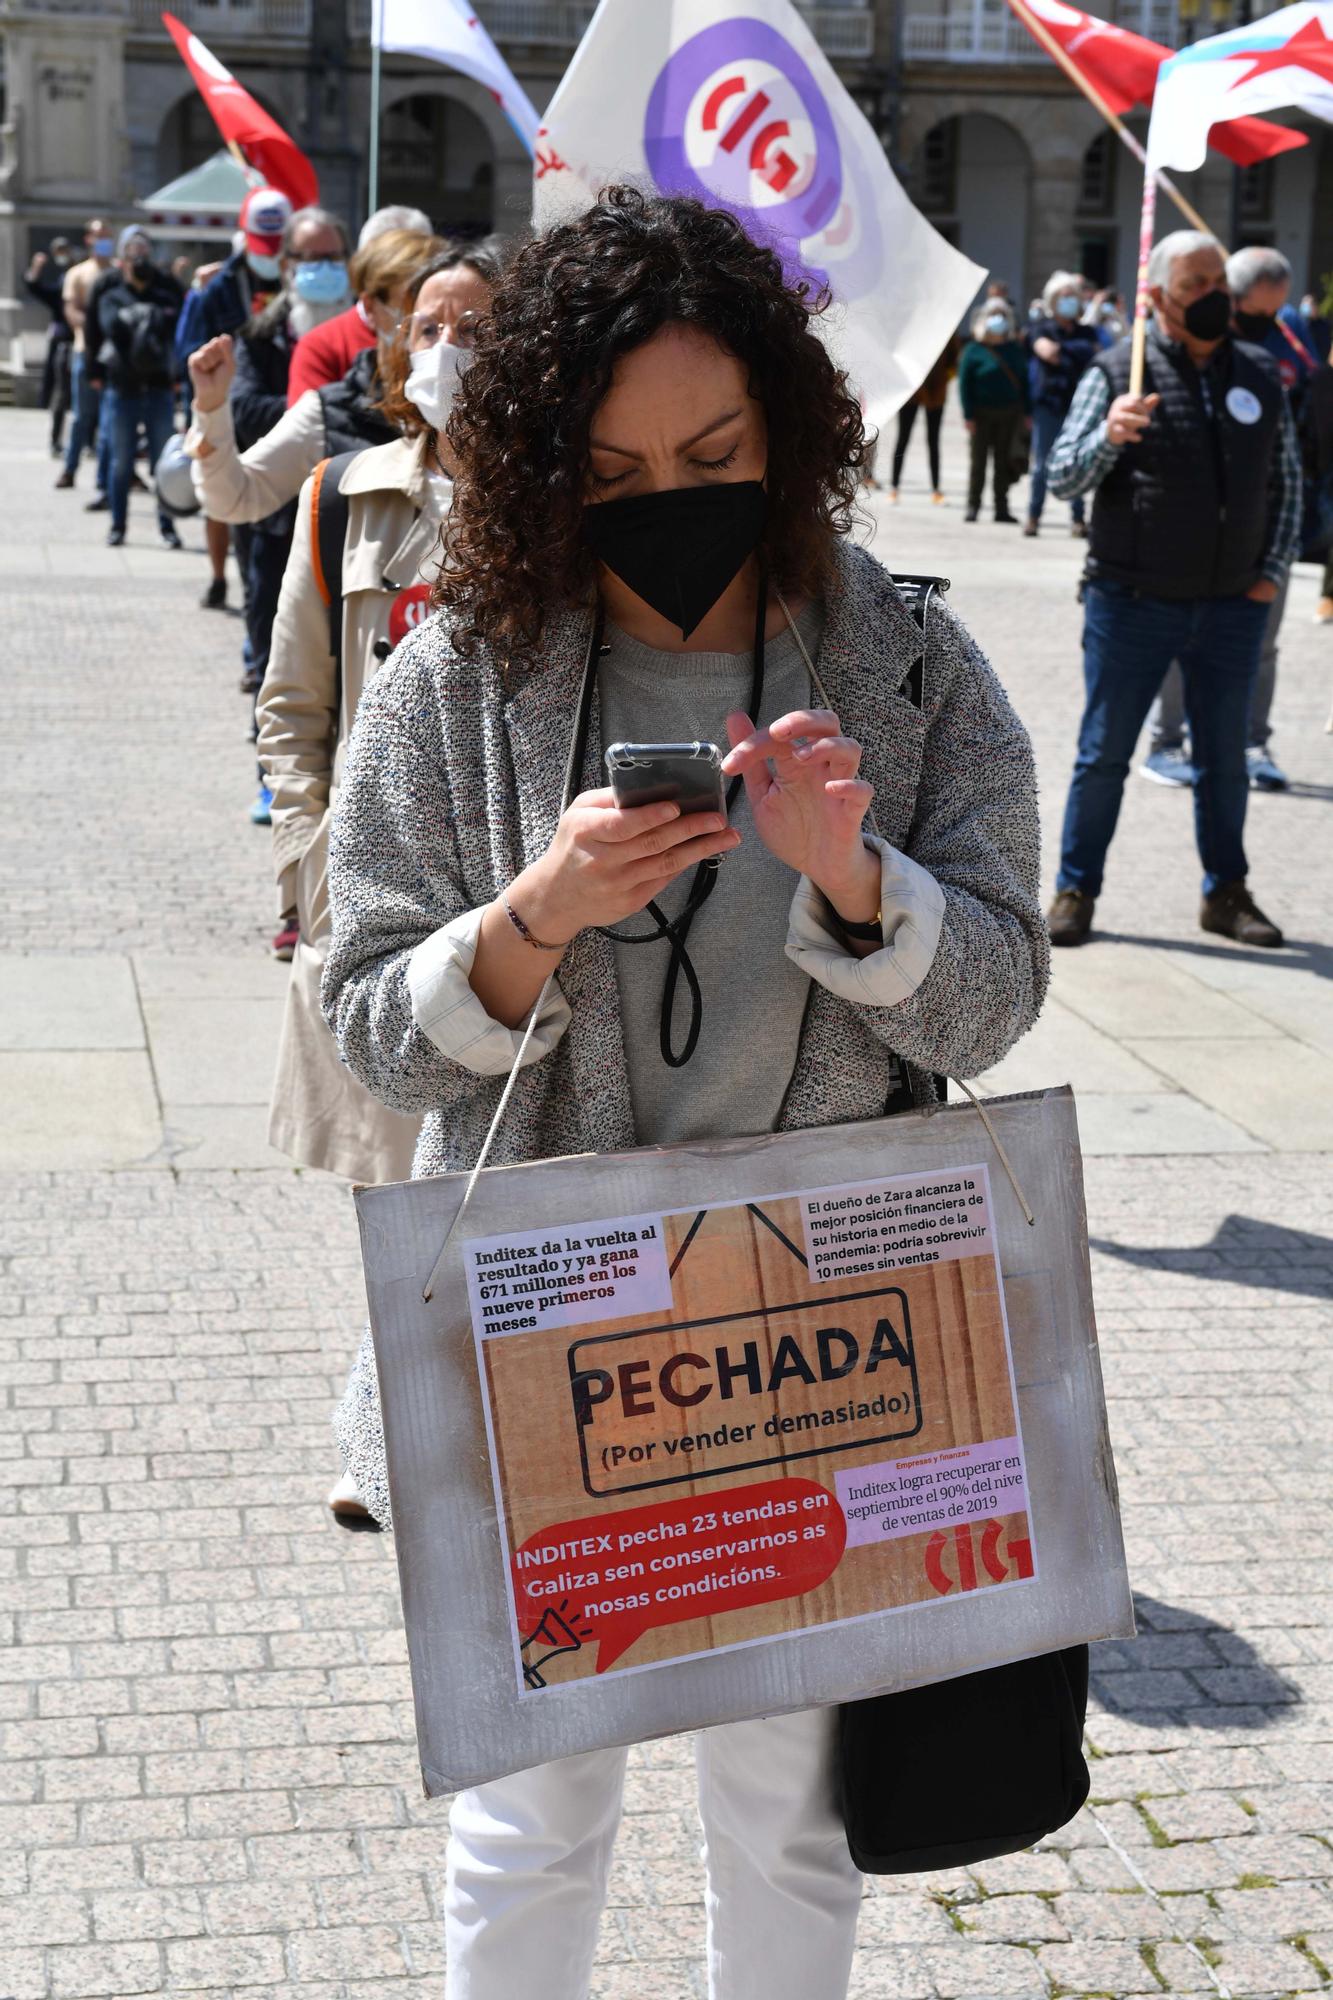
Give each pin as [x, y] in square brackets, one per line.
[259, 395]
[259, 392]
[132, 348]
[1053, 382]
[1185, 511]
[350, 418]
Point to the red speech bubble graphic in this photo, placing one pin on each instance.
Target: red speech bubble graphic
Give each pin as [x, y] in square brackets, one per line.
[607, 1578]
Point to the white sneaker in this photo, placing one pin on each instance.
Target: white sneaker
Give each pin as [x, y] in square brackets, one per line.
[346, 1499]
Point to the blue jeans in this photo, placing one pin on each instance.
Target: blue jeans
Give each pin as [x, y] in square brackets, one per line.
[1046, 426]
[1128, 643]
[84, 401]
[123, 411]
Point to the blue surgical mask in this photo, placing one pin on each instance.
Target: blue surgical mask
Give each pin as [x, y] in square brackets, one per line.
[267, 268]
[104, 246]
[1067, 305]
[321, 283]
[997, 323]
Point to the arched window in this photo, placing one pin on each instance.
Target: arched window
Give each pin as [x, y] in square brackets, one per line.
[435, 154]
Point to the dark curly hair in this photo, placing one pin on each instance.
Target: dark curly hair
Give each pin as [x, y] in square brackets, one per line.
[570, 305]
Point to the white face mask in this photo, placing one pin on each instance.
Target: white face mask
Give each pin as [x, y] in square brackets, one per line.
[432, 380]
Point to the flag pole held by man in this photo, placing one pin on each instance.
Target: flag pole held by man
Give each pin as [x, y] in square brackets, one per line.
[1198, 481]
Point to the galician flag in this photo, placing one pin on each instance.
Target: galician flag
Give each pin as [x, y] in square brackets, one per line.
[1124, 67]
[449, 32]
[737, 105]
[1282, 61]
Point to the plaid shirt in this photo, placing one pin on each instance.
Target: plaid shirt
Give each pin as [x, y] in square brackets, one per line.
[1083, 455]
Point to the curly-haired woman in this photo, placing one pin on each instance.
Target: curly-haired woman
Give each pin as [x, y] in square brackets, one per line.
[657, 464]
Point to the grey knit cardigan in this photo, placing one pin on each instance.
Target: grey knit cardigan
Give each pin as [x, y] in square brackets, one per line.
[453, 784]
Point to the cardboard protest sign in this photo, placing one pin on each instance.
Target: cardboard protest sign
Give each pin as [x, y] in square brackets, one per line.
[709, 1431]
[653, 1383]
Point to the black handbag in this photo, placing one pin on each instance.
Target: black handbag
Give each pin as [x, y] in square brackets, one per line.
[963, 1770]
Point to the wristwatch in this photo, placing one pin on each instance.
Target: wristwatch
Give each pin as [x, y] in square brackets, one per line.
[866, 933]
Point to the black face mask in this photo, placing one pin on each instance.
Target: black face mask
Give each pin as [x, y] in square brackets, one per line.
[1207, 318]
[680, 549]
[1255, 326]
[140, 267]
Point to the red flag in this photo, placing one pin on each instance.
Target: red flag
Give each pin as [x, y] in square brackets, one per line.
[1124, 69]
[243, 122]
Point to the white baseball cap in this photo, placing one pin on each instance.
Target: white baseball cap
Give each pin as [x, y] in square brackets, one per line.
[264, 215]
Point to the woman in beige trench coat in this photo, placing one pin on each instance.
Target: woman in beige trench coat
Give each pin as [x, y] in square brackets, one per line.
[394, 497]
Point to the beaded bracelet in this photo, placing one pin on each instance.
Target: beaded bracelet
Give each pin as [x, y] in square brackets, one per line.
[522, 929]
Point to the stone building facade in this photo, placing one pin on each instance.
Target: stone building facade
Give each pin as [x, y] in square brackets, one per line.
[97, 111]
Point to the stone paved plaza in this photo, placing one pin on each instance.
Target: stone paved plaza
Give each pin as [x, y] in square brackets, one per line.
[209, 1777]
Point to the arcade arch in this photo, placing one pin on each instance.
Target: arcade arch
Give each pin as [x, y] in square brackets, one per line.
[971, 174]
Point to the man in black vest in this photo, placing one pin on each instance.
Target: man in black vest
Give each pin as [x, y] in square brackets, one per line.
[1195, 524]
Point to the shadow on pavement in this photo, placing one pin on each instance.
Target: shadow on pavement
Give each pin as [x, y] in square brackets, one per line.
[1244, 1251]
[1186, 1670]
[1296, 955]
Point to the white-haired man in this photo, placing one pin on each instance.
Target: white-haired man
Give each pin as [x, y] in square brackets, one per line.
[1062, 347]
[324, 356]
[1194, 526]
[1259, 280]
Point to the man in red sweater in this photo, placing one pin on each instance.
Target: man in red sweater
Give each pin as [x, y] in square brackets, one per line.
[326, 353]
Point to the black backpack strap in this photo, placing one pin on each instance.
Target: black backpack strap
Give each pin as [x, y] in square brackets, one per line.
[329, 514]
[916, 593]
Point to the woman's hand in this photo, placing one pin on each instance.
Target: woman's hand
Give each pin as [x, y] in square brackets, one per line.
[607, 862]
[808, 803]
[603, 865]
[212, 372]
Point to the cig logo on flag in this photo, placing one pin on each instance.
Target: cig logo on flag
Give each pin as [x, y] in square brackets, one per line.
[743, 111]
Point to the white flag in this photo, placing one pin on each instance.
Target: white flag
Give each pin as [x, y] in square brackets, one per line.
[448, 32]
[1284, 60]
[742, 109]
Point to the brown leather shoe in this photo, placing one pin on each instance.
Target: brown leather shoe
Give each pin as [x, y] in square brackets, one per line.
[1231, 911]
[1069, 918]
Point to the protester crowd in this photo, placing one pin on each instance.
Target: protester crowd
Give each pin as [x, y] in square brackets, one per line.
[296, 349]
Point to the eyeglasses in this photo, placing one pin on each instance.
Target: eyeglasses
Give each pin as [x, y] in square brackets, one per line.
[419, 330]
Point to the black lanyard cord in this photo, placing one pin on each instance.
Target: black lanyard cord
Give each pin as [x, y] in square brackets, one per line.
[675, 930]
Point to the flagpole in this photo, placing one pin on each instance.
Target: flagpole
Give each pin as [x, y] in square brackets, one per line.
[1142, 303]
[1042, 33]
[376, 35]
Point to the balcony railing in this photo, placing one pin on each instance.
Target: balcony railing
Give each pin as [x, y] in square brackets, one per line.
[937, 38]
[559, 24]
[223, 20]
[984, 34]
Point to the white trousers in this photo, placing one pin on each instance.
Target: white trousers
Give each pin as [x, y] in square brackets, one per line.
[529, 1857]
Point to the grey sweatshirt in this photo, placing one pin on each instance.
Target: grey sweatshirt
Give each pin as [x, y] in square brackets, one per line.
[753, 1003]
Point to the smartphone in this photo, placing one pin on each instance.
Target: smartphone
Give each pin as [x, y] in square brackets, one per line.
[689, 774]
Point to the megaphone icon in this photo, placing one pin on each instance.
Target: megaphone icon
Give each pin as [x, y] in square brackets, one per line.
[555, 1634]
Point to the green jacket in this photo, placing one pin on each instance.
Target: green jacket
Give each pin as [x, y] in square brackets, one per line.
[993, 378]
